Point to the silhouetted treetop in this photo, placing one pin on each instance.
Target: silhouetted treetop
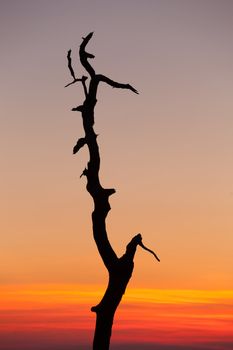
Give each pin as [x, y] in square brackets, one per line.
[119, 269]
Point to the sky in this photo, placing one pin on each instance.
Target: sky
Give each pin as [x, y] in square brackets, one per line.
[166, 151]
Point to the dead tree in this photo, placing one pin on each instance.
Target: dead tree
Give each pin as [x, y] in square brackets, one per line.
[119, 269]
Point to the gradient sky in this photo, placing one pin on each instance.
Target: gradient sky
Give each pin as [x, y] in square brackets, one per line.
[168, 151]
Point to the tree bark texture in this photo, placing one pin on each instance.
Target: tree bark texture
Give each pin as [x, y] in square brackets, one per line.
[119, 269]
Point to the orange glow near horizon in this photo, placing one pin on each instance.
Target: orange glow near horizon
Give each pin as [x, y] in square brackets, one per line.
[62, 314]
[166, 151]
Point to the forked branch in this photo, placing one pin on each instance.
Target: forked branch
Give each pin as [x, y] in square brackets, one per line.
[83, 79]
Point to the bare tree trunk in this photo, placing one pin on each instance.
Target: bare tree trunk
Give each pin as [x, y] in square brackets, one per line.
[119, 269]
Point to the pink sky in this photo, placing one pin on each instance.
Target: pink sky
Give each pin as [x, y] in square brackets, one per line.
[167, 151]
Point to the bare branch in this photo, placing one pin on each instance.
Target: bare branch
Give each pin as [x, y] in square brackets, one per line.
[73, 82]
[80, 143]
[70, 64]
[89, 55]
[115, 84]
[149, 250]
[77, 109]
[71, 69]
[83, 79]
[86, 39]
[131, 247]
[84, 55]
[84, 173]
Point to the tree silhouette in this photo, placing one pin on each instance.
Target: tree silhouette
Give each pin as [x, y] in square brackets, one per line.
[119, 269]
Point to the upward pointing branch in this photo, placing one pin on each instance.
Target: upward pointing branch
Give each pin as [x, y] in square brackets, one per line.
[85, 55]
[70, 64]
[83, 79]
